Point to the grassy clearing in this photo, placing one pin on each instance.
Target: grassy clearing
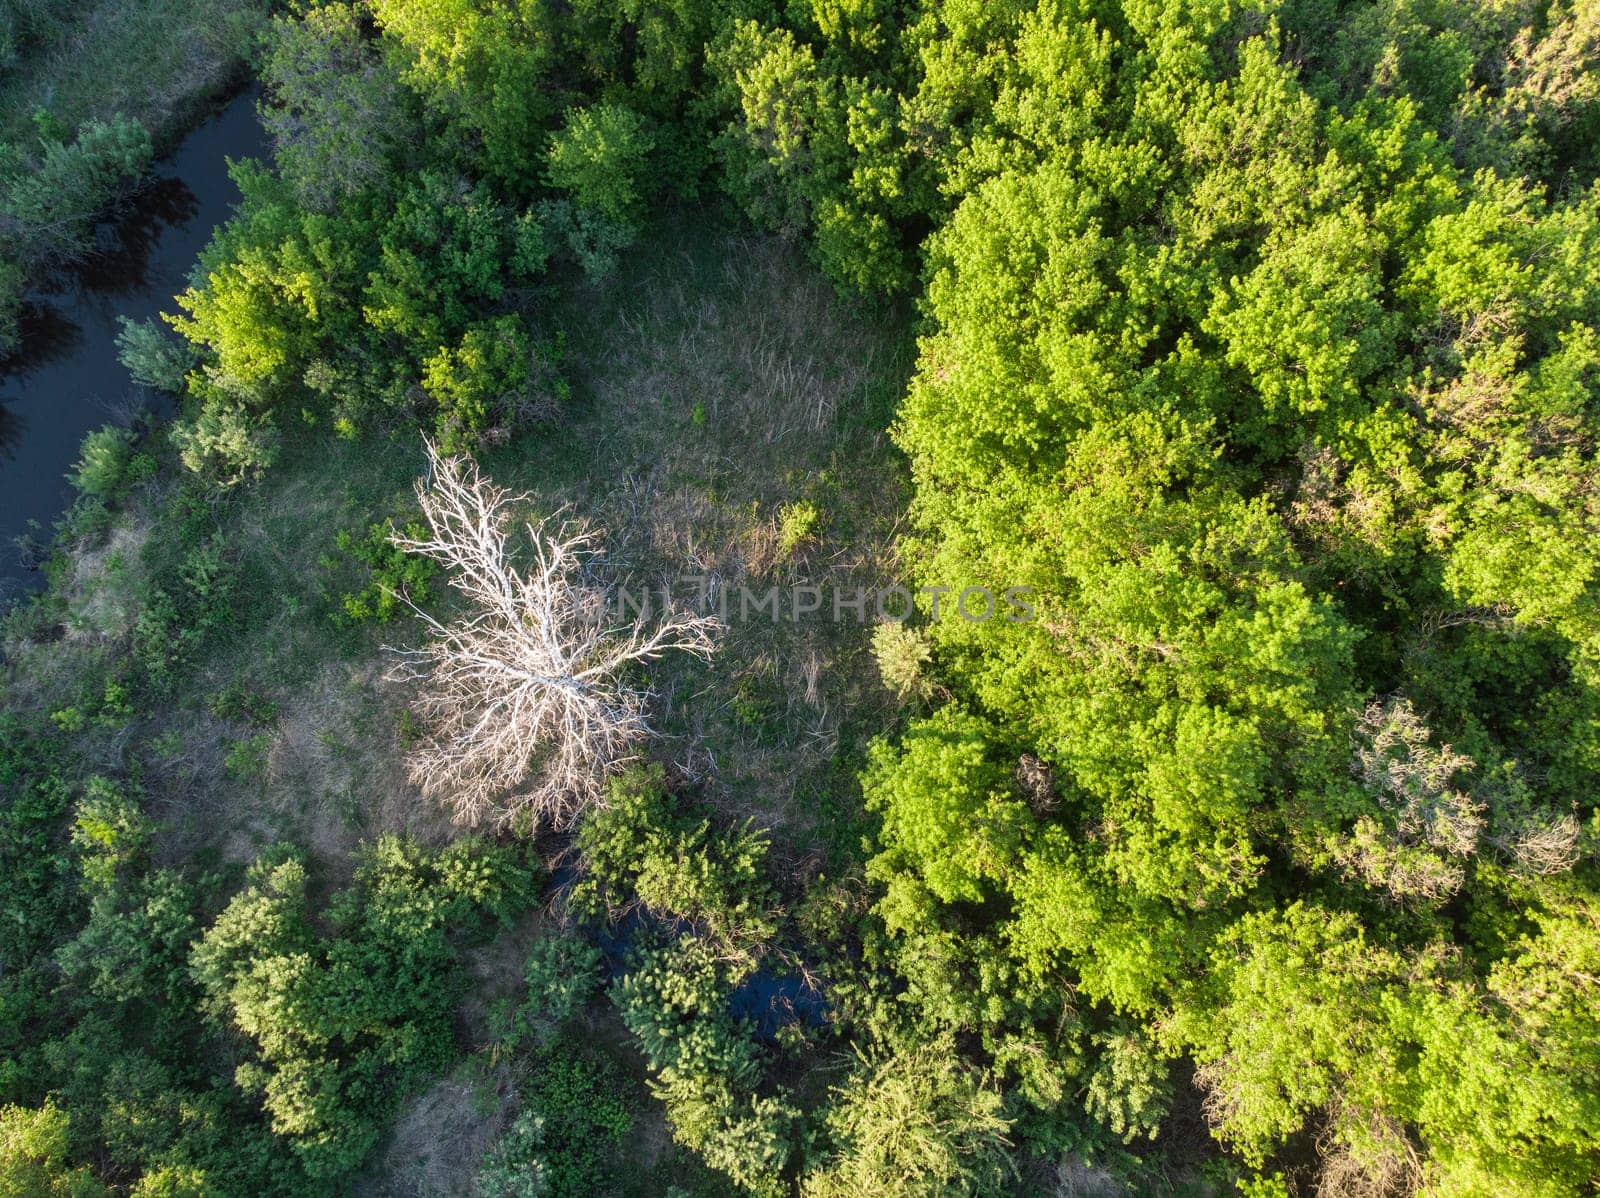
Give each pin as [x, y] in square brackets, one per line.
[155, 60]
[720, 387]
[726, 421]
[730, 428]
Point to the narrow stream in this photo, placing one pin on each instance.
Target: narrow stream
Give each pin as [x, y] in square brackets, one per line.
[66, 380]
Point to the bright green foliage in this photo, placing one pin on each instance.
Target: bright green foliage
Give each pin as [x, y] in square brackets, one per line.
[797, 526]
[367, 306]
[1297, 1021]
[226, 443]
[951, 820]
[445, 251]
[1258, 345]
[484, 67]
[598, 157]
[33, 1157]
[815, 151]
[920, 1124]
[103, 462]
[1503, 1069]
[343, 1025]
[598, 160]
[1276, 409]
[642, 844]
[270, 278]
[487, 374]
[108, 831]
[395, 574]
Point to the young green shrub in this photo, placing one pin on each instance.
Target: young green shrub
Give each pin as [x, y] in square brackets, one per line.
[478, 383]
[918, 1122]
[598, 158]
[225, 443]
[239, 704]
[394, 574]
[109, 832]
[797, 522]
[487, 880]
[643, 845]
[103, 460]
[153, 356]
[1130, 1087]
[708, 1067]
[182, 609]
[563, 973]
[903, 655]
[247, 758]
[516, 1167]
[35, 1146]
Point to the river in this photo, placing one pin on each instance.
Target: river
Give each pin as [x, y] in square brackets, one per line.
[66, 380]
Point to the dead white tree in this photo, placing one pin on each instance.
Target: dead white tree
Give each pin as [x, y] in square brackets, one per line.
[526, 699]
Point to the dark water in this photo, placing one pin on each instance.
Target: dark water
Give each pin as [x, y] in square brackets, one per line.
[66, 380]
[766, 1000]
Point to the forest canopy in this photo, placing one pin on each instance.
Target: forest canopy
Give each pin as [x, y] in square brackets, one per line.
[1259, 341]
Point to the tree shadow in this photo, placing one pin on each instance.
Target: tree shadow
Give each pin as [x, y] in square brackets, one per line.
[12, 426]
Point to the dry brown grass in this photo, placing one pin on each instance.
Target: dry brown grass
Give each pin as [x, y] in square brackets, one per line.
[440, 1138]
[723, 382]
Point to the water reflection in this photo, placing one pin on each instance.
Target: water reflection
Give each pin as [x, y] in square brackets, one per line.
[66, 378]
[120, 264]
[11, 427]
[47, 334]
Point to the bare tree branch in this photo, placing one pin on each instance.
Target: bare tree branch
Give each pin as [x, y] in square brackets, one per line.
[526, 699]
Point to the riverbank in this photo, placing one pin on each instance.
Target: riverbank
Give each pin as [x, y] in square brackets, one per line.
[66, 380]
[166, 68]
[89, 97]
[165, 64]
